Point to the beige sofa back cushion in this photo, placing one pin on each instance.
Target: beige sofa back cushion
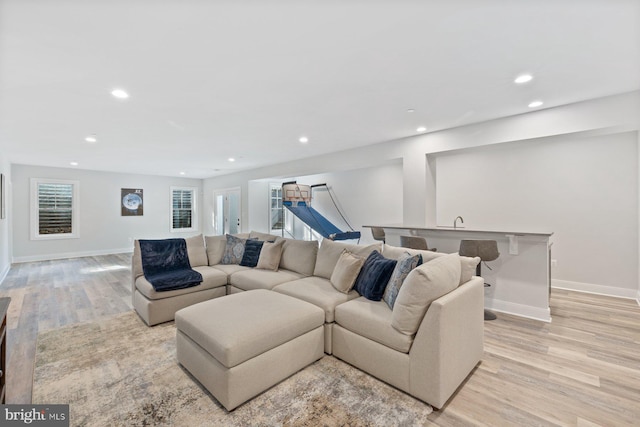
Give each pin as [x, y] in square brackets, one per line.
[196, 251]
[467, 264]
[330, 252]
[263, 237]
[215, 248]
[299, 256]
[422, 286]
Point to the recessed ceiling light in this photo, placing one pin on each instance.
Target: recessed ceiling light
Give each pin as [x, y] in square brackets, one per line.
[411, 110]
[231, 159]
[120, 94]
[183, 173]
[535, 104]
[421, 129]
[91, 138]
[74, 163]
[523, 78]
[303, 139]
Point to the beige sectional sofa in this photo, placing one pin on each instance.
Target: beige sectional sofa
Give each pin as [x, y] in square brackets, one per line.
[426, 346]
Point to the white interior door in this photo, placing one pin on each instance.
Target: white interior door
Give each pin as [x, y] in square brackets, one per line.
[227, 211]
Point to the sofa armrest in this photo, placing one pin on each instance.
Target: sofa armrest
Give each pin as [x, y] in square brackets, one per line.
[448, 344]
[136, 266]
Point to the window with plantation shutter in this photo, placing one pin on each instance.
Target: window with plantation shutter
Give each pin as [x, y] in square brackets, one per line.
[183, 209]
[54, 209]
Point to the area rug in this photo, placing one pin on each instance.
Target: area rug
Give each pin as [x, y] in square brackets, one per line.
[118, 372]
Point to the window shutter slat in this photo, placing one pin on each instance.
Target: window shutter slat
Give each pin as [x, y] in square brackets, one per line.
[182, 203]
[55, 208]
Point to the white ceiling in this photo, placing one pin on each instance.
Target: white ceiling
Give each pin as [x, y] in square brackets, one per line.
[211, 80]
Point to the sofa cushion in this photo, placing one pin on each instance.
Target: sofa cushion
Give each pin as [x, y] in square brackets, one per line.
[196, 251]
[374, 276]
[234, 250]
[229, 269]
[346, 271]
[263, 237]
[372, 319]
[422, 286]
[251, 254]
[211, 278]
[318, 291]
[215, 248]
[330, 251]
[406, 263]
[270, 255]
[467, 264]
[262, 279]
[232, 335]
[299, 256]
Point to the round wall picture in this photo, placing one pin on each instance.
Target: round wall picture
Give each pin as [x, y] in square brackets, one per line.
[131, 202]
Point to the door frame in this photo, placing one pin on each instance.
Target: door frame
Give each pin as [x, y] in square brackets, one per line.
[225, 192]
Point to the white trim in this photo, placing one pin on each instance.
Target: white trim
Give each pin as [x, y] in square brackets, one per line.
[194, 209]
[521, 310]
[224, 192]
[48, 257]
[591, 288]
[638, 297]
[272, 186]
[34, 211]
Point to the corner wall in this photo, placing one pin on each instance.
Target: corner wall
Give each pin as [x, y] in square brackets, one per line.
[5, 224]
[102, 228]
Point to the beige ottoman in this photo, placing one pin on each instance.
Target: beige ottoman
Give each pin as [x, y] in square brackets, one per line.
[240, 345]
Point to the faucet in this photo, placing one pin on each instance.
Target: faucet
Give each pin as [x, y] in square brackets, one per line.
[455, 225]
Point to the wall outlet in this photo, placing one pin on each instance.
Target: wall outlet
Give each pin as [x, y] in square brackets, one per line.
[554, 263]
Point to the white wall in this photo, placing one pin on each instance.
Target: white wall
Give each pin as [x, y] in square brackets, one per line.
[5, 228]
[102, 229]
[258, 208]
[608, 116]
[584, 190]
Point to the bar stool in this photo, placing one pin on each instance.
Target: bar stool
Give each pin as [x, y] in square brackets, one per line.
[378, 234]
[487, 250]
[415, 242]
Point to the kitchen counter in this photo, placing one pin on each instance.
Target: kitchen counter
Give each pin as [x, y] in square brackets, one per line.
[520, 278]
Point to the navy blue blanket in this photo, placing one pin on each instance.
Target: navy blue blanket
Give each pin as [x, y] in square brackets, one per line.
[165, 264]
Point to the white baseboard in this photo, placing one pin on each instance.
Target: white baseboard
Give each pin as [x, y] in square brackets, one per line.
[638, 297]
[521, 310]
[591, 288]
[66, 255]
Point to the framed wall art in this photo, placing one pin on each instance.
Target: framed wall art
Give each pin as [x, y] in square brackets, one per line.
[131, 202]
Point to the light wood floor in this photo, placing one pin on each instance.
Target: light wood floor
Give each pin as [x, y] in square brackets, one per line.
[583, 369]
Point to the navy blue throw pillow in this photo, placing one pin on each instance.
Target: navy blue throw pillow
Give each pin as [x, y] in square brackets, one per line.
[374, 276]
[251, 253]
